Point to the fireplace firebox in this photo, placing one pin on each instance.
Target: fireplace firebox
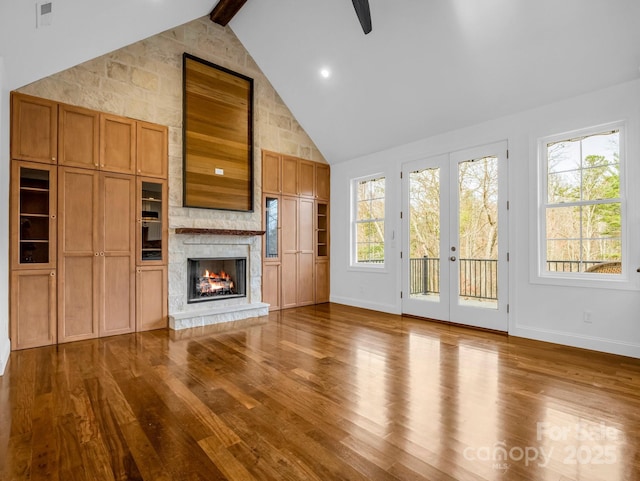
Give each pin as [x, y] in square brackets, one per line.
[215, 279]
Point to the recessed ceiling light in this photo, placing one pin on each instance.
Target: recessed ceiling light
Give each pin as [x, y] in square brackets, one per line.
[325, 73]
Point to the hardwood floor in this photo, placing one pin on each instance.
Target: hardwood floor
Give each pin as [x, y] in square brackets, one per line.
[321, 393]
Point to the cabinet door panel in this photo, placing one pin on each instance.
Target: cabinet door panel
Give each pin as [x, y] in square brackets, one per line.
[289, 176]
[306, 259]
[117, 144]
[151, 288]
[271, 173]
[33, 215]
[289, 251]
[33, 308]
[322, 282]
[306, 225]
[34, 129]
[77, 204]
[151, 150]
[117, 309]
[117, 213]
[77, 293]
[271, 286]
[306, 178]
[117, 208]
[306, 282]
[79, 131]
[323, 176]
[151, 222]
[78, 254]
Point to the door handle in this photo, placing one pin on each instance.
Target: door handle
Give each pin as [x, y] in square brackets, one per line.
[452, 258]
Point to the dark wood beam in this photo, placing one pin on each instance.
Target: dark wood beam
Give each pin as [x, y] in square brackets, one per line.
[225, 10]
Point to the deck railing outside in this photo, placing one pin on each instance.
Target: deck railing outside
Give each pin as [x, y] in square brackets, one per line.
[478, 277]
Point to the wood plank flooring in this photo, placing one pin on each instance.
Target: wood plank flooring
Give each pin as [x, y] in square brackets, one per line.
[319, 393]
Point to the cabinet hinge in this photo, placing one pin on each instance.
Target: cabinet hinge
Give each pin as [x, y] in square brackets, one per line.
[400, 294]
[401, 174]
[400, 254]
[401, 214]
[507, 257]
[507, 308]
[507, 205]
[507, 153]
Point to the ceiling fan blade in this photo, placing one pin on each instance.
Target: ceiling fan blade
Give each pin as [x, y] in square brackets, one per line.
[364, 14]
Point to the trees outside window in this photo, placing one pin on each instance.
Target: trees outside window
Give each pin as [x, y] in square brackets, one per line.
[582, 203]
[368, 222]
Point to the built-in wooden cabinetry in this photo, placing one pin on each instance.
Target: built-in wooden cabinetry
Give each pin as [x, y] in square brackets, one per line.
[151, 245]
[88, 235]
[34, 129]
[295, 268]
[33, 253]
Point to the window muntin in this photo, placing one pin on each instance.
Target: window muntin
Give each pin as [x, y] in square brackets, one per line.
[368, 223]
[583, 204]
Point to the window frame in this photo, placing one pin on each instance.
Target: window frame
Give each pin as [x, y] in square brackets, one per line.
[581, 279]
[354, 264]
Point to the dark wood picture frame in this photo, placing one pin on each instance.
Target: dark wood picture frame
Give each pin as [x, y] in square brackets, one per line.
[217, 137]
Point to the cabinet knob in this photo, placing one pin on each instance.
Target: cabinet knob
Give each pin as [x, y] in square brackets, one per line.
[102, 253]
[53, 216]
[96, 254]
[53, 274]
[53, 158]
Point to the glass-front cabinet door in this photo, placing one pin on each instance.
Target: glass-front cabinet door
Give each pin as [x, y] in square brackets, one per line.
[271, 228]
[152, 222]
[33, 215]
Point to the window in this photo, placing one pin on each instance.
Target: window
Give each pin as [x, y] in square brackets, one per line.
[582, 217]
[368, 221]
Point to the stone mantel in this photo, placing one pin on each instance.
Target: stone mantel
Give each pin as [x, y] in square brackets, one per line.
[193, 231]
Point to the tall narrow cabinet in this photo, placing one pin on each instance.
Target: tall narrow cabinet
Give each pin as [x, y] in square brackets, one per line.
[151, 257]
[296, 223]
[88, 223]
[33, 254]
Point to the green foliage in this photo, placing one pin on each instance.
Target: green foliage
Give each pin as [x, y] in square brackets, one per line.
[590, 228]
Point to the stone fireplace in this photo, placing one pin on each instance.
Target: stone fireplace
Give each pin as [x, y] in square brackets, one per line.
[230, 257]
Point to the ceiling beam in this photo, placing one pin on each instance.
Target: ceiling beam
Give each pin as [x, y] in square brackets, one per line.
[225, 10]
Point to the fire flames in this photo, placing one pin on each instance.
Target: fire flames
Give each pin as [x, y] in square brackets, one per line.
[212, 283]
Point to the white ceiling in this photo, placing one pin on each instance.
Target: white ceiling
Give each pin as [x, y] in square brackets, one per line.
[429, 66]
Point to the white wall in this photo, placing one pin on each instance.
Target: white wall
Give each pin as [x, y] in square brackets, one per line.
[79, 33]
[5, 346]
[544, 312]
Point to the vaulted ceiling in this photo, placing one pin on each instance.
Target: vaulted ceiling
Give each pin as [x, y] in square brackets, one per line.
[427, 67]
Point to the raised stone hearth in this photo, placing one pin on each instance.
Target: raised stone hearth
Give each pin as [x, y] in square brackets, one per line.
[202, 243]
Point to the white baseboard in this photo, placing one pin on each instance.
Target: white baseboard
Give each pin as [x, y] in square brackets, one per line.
[611, 346]
[5, 350]
[374, 306]
[584, 342]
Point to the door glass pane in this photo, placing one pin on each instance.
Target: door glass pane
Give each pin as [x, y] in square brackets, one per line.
[34, 216]
[478, 232]
[424, 234]
[271, 227]
[151, 221]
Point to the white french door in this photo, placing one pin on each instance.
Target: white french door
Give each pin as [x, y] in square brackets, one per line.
[455, 237]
